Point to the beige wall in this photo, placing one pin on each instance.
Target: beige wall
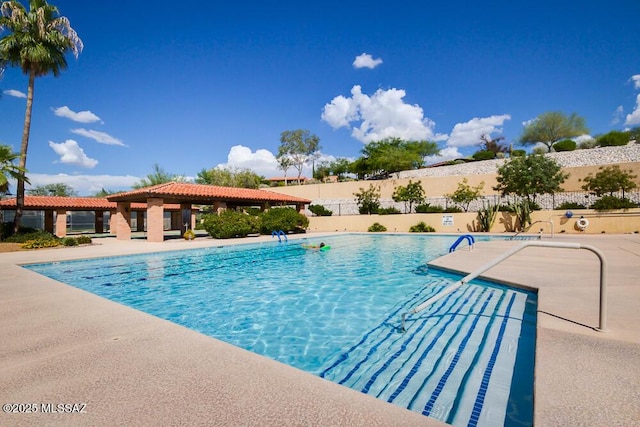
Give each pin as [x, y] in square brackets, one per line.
[433, 186]
[611, 222]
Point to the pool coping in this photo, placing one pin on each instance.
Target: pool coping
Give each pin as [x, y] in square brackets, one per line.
[65, 345]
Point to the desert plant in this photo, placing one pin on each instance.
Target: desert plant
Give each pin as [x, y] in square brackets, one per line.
[522, 209]
[518, 153]
[377, 228]
[487, 216]
[421, 227]
[320, 210]
[388, 211]
[27, 234]
[427, 208]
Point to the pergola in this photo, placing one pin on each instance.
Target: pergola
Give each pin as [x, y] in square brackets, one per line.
[186, 195]
[55, 210]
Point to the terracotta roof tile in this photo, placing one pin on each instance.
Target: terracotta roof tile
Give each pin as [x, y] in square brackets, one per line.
[201, 192]
[72, 203]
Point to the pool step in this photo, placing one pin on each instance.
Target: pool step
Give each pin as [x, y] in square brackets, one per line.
[455, 359]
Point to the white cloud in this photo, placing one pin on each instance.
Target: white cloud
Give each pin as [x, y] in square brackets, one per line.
[72, 154]
[448, 153]
[101, 137]
[15, 93]
[382, 115]
[469, 133]
[86, 185]
[636, 81]
[80, 116]
[634, 118]
[366, 61]
[617, 115]
[262, 161]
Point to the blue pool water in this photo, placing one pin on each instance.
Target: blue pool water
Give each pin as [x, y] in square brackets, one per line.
[466, 360]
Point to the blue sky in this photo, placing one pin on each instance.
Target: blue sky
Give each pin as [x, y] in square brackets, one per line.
[192, 85]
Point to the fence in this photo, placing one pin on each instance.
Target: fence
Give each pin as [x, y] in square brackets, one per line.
[545, 201]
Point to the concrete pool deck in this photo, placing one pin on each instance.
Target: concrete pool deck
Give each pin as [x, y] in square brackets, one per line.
[62, 345]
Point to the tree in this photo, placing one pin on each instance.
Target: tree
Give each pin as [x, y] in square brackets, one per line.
[610, 179]
[465, 194]
[8, 169]
[230, 177]
[493, 144]
[412, 194]
[38, 42]
[368, 200]
[57, 189]
[394, 155]
[529, 176]
[340, 167]
[158, 176]
[284, 163]
[551, 127]
[300, 146]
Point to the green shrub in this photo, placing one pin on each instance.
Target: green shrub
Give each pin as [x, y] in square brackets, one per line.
[613, 138]
[388, 211]
[28, 234]
[565, 145]
[69, 241]
[484, 155]
[570, 205]
[427, 208]
[40, 243]
[588, 144]
[421, 227]
[230, 224]
[83, 240]
[285, 219]
[320, 210]
[377, 228]
[607, 203]
[518, 153]
[453, 209]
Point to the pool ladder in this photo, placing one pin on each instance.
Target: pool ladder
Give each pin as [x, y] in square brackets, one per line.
[279, 234]
[602, 325]
[468, 237]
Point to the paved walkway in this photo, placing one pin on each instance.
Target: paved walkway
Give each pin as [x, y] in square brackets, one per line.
[61, 345]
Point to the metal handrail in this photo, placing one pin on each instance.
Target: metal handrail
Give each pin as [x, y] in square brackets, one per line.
[469, 239]
[602, 325]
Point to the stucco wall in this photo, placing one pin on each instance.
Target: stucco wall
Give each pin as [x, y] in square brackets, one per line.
[434, 186]
[627, 221]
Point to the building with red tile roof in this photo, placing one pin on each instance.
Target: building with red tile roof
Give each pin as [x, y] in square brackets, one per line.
[186, 195]
[175, 197]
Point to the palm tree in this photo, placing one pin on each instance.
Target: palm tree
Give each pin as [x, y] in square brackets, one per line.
[37, 42]
[8, 169]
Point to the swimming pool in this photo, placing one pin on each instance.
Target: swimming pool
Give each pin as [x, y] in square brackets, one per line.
[467, 360]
